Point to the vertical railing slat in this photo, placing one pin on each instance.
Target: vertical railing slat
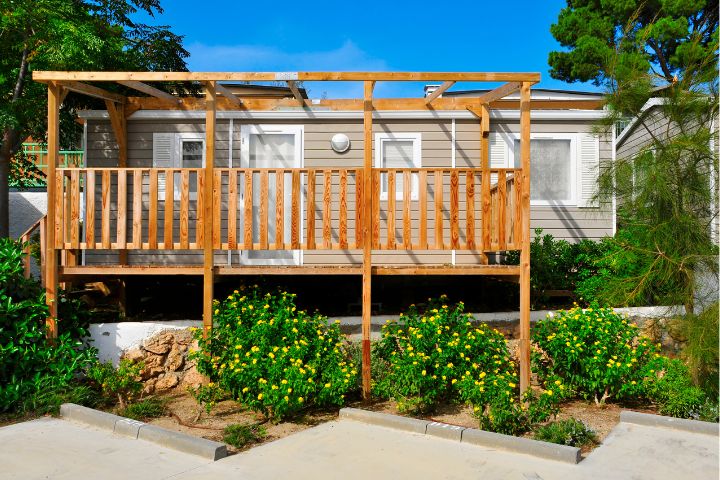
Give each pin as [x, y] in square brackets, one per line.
[342, 236]
[232, 210]
[121, 228]
[502, 191]
[423, 209]
[391, 192]
[137, 209]
[327, 212]
[90, 209]
[169, 209]
[439, 243]
[359, 199]
[184, 208]
[248, 213]
[75, 209]
[376, 210]
[199, 217]
[216, 205]
[454, 210]
[59, 202]
[407, 220]
[310, 210]
[295, 215]
[470, 210]
[153, 210]
[280, 209]
[106, 209]
[263, 210]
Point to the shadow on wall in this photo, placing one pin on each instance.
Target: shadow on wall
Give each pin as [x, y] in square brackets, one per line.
[26, 208]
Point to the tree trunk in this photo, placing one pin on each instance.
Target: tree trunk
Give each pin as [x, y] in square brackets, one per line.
[11, 142]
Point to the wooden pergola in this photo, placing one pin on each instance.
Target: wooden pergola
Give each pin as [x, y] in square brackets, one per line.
[63, 184]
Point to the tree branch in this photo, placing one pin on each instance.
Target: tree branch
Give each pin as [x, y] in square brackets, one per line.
[661, 59]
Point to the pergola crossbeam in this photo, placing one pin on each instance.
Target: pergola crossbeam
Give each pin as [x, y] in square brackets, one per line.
[45, 76]
[92, 91]
[225, 92]
[500, 92]
[439, 91]
[148, 89]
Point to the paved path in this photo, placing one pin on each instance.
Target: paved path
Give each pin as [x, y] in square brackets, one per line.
[51, 448]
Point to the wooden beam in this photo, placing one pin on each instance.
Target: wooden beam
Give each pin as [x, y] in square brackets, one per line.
[524, 344]
[222, 90]
[367, 235]
[440, 90]
[379, 104]
[119, 126]
[296, 92]
[92, 91]
[150, 90]
[208, 280]
[51, 259]
[119, 270]
[499, 92]
[532, 77]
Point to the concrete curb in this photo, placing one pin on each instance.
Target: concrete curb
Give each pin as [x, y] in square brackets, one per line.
[142, 431]
[474, 436]
[537, 448]
[693, 426]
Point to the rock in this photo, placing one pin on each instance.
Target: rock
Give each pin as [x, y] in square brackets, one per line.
[167, 382]
[149, 386]
[134, 355]
[193, 378]
[151, 372]
[160, 344]
[153, 360]
[175, 360]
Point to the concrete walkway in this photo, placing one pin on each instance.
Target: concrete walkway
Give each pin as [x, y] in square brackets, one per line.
[52, 448]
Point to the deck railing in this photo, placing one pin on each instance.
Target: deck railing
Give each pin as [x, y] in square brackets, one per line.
[287, 209]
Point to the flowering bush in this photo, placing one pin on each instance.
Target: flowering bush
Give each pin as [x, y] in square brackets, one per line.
[272, 357]
[437, 355]
[596, 351]
[122, 383]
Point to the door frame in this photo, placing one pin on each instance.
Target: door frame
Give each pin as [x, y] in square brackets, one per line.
[281, 129]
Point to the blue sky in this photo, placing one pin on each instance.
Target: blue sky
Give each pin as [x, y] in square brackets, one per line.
[226, 35]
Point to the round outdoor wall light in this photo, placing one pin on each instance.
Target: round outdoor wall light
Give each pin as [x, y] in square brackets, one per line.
[340, 143]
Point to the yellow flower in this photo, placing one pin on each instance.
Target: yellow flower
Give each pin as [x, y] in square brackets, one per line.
[217, 311]
[512, 385]
[245, 390]
[301, 399]
[260, 396]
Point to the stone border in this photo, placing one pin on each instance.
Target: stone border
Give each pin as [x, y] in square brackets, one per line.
[142, 431]
[650, 420]
[551, 451]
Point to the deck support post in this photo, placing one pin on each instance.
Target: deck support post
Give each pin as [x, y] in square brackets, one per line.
[524, 345]
[485, 181]
[367, 236]
[51, 254]
[208, 271]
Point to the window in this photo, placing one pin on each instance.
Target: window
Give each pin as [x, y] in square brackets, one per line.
[552, 170]
[178, 150]
[398, 150]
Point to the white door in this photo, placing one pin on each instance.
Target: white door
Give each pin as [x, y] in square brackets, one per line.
[271, 146]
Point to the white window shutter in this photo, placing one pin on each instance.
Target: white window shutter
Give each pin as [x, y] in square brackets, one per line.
[163, 157]
[499, 154]
[588, 170]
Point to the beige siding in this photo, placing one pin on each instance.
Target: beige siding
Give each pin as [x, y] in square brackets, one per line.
[567, 222]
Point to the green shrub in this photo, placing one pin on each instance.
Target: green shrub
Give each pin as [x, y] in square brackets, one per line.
[122, 383]
[272, 357]
[145, 409]
[669, 385]
[239, 435]
[34, 373]
[207, 396]
[436, 355]
[700, 352]
[569, 432]
[595, 351]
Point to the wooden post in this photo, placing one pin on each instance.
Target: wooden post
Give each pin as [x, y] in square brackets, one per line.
[210, 96]
[51, 259]
[525, 239]
[484, 181]
[367, 237]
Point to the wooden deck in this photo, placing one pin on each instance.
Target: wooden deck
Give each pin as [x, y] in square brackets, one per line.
[364, 209]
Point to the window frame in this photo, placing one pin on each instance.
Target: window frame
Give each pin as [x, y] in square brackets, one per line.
[181, 137]
[574, 165]
[416, 138]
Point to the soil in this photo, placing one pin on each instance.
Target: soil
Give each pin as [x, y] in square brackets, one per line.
[181, 406]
